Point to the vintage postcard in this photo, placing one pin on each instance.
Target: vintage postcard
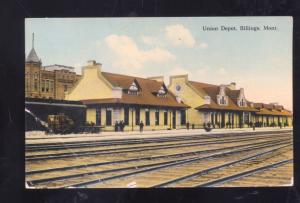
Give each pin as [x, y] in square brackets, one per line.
[158, 102]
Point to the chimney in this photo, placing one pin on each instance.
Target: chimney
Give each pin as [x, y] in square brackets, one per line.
[92, 64]
[232, 86]
[242, 95]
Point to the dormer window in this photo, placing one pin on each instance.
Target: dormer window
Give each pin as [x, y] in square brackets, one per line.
[221, 97]
[222, 100]
[133, 89]
[162, 92]
[241, 99]
[242, 103]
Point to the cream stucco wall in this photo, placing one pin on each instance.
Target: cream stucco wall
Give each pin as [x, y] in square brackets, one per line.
[92, 85]
[91, 117]
[189, 97]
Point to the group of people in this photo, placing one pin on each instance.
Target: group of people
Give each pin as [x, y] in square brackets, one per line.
[119, 126]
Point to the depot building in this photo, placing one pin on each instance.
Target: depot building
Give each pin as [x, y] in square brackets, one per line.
[224, 106]
[113, 97]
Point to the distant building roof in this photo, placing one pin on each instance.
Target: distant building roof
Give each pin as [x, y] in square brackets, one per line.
[32, 57]
[213, 91]
[272, 109]
[58, 67]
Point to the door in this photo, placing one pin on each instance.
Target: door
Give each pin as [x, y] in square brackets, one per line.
[223, 120]
[174, 119]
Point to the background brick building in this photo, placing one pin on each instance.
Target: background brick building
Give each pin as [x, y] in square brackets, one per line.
[49, 82]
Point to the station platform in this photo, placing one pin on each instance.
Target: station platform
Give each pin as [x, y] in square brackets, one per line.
[40, 136]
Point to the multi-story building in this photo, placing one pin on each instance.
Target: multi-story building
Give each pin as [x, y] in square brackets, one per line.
[50, 82]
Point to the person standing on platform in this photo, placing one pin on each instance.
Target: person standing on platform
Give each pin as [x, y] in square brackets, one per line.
[141, 126]
[188, 125]
[122, 125]
[116, 126]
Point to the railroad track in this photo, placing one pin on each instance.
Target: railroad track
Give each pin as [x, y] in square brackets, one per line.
[244, 174]
[144, 168]
[229, 172]
[196, 174]
[81, 144]
[281, 174]
[157, 146]
[181, 161]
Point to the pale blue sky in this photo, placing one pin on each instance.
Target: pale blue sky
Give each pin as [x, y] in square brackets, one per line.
[260, 61]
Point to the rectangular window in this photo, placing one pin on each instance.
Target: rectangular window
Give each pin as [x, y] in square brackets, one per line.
[35, 84]
[65, 88]
[43, 85]
[147, 116]
[157, 117]
[166, 118]
[51, 86]
[126, 116]
[47, 85]
[98, 116]
[182, 117]
[246, 117]
[212, 118]
[137, 116]
[108, 117]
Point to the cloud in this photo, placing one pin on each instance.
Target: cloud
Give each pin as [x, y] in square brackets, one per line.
[203, 45]
[149, 40]
[128, 54]
[179, 35]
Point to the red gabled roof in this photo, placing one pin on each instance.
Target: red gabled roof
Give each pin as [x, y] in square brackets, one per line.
[213, 91]
[271, 109]
[145, 96]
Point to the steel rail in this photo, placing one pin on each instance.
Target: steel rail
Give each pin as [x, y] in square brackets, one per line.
[96, 144]
[129, 149]
[177, 163]
[60, 178]
[244, 174]
[206, 171]
[144, 140]
[151, 157]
